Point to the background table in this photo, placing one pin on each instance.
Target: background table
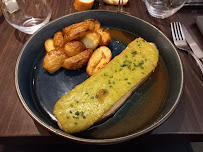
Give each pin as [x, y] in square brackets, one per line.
[186, 123]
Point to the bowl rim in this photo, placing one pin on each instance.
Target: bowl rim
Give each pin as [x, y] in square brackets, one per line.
[87, 140]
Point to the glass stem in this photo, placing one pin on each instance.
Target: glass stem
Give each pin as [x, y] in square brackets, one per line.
[120, 5]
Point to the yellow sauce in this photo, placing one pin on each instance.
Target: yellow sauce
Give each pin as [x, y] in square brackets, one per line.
[85, 104]
[143, 111]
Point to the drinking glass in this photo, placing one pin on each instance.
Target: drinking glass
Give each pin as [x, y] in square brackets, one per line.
[163, 8]
[26, 15]
[120, 5]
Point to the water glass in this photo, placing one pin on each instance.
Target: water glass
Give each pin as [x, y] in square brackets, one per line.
[26, 15]
[163, 8]
[120, 5]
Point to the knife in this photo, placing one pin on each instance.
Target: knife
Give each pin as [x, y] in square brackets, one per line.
[193, 45]
[192, 4]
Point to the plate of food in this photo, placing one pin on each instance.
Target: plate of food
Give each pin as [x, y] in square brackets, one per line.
[99, 77]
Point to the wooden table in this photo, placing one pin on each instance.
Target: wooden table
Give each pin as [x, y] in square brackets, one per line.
[185, 123]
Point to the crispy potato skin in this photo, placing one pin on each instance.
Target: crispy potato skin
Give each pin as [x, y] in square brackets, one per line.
[80, 5]
[78, 30]
[105, 36]
[91, 22]
[77, 61]
[72, 48]
[113, 2]
[53, 60]
[99, 59]
[91, 40]
[58, 40]
[97, 24]
[49, 45]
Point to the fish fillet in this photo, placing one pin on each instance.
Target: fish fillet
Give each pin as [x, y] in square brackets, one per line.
[103, 93]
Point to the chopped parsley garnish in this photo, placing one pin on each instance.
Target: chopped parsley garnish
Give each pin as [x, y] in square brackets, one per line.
[111, 76]
[75, 117]
[97, 96]
[77, 113]
[133, 53]
[104, 91]
[92, 97]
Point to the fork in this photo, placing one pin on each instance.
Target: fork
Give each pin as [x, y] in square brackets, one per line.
[180, 42]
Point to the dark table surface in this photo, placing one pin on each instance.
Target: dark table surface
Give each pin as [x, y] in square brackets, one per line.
[185, 123]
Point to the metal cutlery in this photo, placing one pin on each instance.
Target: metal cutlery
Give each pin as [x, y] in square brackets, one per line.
[193, 45]
[180, 42]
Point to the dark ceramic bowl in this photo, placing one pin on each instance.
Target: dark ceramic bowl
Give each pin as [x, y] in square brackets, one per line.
[39, 90]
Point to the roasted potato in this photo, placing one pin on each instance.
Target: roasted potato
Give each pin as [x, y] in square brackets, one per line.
[91, 40]
[53, 60]
[97, 24]
[115, 2]
[99, 59]
[72, 48]
[58, 40]
[105, 36]
[77, 61]
[49, 45]
[81, 5]
[77, 31]
[73, 26]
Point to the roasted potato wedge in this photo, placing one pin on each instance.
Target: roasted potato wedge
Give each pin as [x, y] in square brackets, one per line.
[58, 40]
[97, 24]
[53, 60]
[99, 59]
[105, 36]
[91, 40]
[115, 2]
[72, 48]
[91, 23]
[77, 31]
[49, 45]
[83, 5]
[77, 61]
